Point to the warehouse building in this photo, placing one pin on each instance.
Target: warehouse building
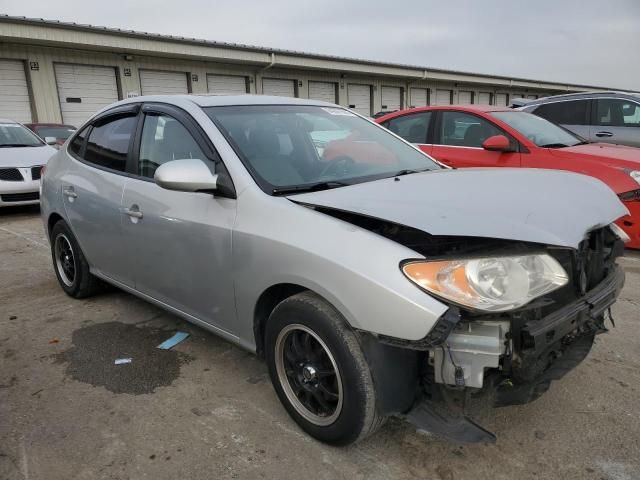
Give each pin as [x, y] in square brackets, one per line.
[63, 72]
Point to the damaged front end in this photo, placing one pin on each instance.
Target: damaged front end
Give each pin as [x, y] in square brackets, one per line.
[508, 358]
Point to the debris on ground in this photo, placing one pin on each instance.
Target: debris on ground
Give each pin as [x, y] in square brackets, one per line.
[173, 341]
[120, 361]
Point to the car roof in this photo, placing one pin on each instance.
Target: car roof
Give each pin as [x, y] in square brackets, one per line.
[210, 100]
[7, 120]
[582, 95]
[458, 108]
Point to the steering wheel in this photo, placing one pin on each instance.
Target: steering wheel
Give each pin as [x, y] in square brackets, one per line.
[337, 165]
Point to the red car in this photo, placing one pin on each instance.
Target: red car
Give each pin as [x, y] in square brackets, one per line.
[55, 130]
[485, 136]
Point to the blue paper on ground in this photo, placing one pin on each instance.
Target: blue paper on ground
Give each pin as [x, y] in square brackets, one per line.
[173, 341]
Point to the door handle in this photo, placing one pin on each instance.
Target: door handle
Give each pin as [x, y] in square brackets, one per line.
[70, 192]
[133, 212]
[604, 134]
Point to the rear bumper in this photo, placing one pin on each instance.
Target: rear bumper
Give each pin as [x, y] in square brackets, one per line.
[631, 223]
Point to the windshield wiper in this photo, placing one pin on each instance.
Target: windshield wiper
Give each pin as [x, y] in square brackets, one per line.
[554, 145]
[314, 187]
[17, 145]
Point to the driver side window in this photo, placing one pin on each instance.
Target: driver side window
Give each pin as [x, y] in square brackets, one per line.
[460, 129]
[164, 139]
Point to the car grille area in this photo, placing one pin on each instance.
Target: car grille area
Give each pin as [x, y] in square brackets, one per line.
[20, 197]
[36, 172]
[10, 175]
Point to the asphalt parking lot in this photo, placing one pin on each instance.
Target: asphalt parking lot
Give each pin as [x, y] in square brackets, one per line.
[206, 409]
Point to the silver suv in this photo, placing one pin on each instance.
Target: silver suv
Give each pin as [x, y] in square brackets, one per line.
[373, 280]
[610, 117]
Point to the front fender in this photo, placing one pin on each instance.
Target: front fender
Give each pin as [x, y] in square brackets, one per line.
[356, 270]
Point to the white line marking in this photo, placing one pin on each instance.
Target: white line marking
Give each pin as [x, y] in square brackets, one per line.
[19, 235]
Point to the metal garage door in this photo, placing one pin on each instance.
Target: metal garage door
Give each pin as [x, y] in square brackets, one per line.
[443, 97]
[359, 98]
[501, 99]
[419, 97]
[465, 98]
[83, 90]
[391, 98]
[325, 91]
[155, 82]
[278, 87]
[226, 84]
[14, 94]
[484, 98]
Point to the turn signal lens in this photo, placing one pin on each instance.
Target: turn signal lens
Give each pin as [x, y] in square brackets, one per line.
[620, 233]
[492, 284]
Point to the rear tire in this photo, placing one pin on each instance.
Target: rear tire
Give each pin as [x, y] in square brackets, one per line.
[319, 371]
[70, 264]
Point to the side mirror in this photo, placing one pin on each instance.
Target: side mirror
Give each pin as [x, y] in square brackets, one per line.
[497, 143]
[50, 140]
[188, 175]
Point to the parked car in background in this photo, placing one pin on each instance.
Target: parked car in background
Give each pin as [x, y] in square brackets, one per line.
[57, 131]
[484, 136]
[609, 117]
[22, 156]
[340, 253]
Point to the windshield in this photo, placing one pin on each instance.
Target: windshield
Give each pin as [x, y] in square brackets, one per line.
[540, 131]
[288, 146]
[15, 135]
[60, 133]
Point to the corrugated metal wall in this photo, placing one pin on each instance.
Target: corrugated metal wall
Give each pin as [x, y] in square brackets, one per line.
[41, 77]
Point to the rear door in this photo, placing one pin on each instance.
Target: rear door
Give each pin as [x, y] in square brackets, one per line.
[413, 128]
[616, 120]
[459, 137]
[92, 190]
[572, 115]
[179, 242]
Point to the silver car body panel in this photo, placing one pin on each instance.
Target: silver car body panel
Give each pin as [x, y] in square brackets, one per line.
[513, 204]
[233, 250]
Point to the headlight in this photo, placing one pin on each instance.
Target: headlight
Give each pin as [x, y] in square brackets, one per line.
[635, 174]
[493, 284]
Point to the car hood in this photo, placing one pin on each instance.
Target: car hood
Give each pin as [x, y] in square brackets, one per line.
[25, 156]
[604, 153]
[541, 206]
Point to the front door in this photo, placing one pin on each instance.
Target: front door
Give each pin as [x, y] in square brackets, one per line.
[459, 137]
[179, 243]
[92, 190]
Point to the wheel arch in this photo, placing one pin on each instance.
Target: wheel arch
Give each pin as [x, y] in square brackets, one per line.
[267, 302]
[52, 220]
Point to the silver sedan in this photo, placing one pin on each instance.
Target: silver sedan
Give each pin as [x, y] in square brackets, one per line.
[373, 280]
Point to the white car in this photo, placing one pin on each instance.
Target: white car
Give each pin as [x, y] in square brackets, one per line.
[22, 156]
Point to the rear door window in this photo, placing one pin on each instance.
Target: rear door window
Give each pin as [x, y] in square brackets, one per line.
[613, 112]
[565, 113]
[108, 142]
[413, 128]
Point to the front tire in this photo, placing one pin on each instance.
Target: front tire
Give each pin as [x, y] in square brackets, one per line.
[70, 264]
[319, 371]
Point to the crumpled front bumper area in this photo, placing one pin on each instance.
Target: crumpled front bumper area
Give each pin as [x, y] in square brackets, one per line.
[561, 341]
